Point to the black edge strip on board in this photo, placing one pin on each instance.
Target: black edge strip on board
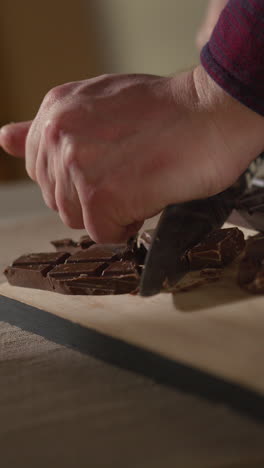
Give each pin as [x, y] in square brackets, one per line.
[124, 355]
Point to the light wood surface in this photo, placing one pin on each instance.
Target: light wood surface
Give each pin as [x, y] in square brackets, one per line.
[217, 328]
[61, 408]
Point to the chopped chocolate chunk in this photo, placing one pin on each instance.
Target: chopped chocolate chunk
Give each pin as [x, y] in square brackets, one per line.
[218, 248]
[75, 270]
[68, 245]
[62, 276]
[29, 276]
[99, 253]
[52, 258]
[97, 285]
[85, 242]
[65, 245]
[120, 268]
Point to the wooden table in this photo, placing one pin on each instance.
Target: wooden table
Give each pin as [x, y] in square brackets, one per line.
[62, 408]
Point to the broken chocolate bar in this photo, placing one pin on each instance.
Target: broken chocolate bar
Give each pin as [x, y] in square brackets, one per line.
[80, 275]
[218, 248]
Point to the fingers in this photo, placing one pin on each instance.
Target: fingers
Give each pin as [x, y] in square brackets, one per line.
[68, 203]
[66, 195]
[102, 216]
[54, 178]
[37, 136]
[45, 174]
[13, 138]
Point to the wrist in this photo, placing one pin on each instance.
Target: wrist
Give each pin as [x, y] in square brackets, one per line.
[241, 127]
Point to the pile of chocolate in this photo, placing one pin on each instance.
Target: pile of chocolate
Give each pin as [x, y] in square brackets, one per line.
[87, 268]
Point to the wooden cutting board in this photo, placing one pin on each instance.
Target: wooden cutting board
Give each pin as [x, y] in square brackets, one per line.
[216, 330]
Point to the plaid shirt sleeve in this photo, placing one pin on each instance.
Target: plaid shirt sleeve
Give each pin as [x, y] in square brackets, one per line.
[234, 56]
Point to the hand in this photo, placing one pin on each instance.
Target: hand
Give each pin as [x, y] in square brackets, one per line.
[112, 151]
[214, 10]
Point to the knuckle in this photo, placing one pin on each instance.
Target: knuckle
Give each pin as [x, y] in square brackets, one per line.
[53, 130]
[54, 94]
[69, 155]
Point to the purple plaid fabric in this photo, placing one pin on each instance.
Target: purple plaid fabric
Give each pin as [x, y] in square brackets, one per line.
[234, 56]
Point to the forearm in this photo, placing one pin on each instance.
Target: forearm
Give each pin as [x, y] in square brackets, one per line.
[234, 55]
[241, 127]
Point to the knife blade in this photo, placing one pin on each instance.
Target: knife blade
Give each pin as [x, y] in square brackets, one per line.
[182, 226]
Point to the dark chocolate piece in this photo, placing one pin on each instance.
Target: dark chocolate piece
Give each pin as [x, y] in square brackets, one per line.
[29, 276]
[97, 285]
[68, 245]
[121, 268]
[84, 278]
[65, 245]
[218, 248]
[99, 253]
[85, 242]
[62, 275]
[51, 258]
[75, 270]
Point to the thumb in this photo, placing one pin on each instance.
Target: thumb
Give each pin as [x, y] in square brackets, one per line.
[13, 138]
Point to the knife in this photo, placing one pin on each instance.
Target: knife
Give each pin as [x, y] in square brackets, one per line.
[182, 226]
